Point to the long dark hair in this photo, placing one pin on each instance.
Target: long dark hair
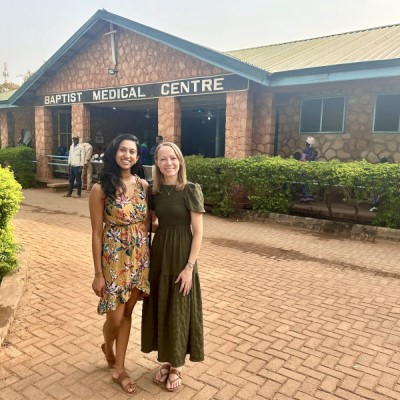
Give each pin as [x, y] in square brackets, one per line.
[110, 178]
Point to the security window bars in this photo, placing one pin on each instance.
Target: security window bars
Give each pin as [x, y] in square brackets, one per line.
[387, 113]
[322, 115]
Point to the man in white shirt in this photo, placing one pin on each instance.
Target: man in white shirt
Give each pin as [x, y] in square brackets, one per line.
[87, 166]
[76, 159]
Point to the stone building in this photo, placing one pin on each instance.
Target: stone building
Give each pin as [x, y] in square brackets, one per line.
[115, 75]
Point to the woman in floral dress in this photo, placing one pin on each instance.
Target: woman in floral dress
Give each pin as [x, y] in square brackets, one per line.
[119, 218]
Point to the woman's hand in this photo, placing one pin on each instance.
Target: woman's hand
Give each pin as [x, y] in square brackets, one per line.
[99, 285]
[185, 277]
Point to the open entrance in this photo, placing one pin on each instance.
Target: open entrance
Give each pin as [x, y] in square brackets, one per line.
[203, 125]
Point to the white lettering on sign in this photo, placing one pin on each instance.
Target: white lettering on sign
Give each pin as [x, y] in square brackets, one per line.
[204, 85]
[74, 97]
[192, 86]
[118, 94]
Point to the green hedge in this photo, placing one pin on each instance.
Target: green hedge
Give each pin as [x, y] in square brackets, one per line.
[270, 182]
[21, 160]
[10, 198]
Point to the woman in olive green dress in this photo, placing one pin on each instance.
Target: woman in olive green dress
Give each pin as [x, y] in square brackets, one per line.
[172, 316]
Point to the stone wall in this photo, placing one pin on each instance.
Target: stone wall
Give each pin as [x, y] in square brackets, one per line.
[169, 119]
[24, 118]
[238, 126]
[44, 141]
[357, 141]
[263, 123]
[140, 60]
[3, 130]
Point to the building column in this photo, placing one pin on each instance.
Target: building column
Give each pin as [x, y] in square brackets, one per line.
[3, 130]
[80, 121]
[264, 124]
[44, 142]
[238, 129]
[169, 119]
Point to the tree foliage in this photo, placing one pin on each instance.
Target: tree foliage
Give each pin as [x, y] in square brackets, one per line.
[7, 86]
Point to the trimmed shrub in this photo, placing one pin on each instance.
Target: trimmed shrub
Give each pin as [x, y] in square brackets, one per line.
[270, 182]
[21, 160]
[10, 199]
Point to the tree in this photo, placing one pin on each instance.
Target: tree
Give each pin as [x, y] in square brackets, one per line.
[7, 86]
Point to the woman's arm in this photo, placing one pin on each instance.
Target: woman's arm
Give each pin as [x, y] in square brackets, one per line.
[146, 188]
[185, 277]
[197, 229]
[96, 208]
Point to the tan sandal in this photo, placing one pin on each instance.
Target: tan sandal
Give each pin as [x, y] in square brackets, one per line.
[124, 380]
[164, 376]
[174, 371]
[110, 360]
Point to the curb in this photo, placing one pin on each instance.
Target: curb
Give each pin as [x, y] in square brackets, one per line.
[354, 231]
[12, 287]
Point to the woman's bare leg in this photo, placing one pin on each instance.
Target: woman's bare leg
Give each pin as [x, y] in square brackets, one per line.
[116, 329]
[122, 338]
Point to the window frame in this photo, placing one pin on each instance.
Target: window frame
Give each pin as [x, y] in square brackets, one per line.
[65, 136]
[321, 116]
[374, 118]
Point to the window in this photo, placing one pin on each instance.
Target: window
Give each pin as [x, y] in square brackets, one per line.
[387, 113]
[64, 129]
[322, 115]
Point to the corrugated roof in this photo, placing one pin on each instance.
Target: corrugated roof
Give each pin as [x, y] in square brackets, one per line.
[376, 44]
[4, 96]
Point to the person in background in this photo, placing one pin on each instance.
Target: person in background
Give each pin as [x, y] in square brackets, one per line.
[172, 318]
[309, 154]
[76, 159]
[120, 247]
[144, 153]
[87, 170]
[158, 140]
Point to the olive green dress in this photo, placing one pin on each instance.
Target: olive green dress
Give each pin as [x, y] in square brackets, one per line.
[172, 324]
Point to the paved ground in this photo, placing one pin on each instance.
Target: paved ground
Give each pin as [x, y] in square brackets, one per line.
[289, 314]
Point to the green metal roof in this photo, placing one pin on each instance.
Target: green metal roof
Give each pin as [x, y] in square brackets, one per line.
[4, 96]
[376, 44]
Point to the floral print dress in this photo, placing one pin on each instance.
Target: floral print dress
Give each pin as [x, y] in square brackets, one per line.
[125, 255]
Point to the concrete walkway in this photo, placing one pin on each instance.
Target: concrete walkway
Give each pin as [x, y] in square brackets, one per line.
[289, 314]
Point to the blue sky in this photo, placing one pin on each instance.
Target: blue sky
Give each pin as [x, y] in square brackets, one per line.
[32, 31]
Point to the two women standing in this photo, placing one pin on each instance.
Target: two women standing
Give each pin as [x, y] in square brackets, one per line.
[172, 315]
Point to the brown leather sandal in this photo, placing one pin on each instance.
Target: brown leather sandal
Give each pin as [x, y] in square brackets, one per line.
[164, 376]
[174, 371]
[124, 380]
[110, 360]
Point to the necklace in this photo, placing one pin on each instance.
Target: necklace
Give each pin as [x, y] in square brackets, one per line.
[169, 191]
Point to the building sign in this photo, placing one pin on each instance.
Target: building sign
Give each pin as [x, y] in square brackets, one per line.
[182, 87]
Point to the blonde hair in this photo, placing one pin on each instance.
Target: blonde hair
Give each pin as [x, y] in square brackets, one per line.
[159, 177]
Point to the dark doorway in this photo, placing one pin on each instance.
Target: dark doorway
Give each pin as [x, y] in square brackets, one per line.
[203, 132]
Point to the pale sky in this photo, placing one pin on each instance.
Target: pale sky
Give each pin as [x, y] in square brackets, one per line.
[32, 31]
